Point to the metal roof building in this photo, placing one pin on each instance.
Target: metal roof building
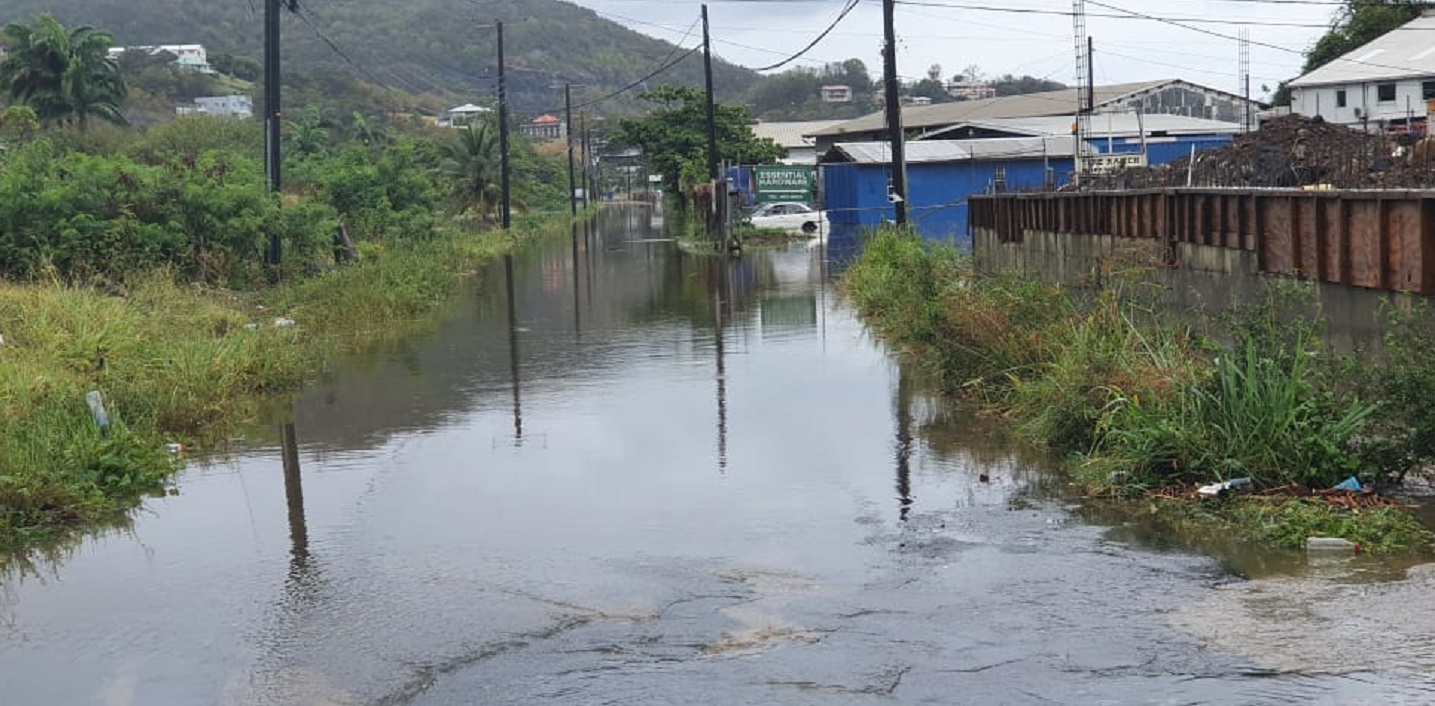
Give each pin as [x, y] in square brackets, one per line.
[1384, 83]
[1165, 97]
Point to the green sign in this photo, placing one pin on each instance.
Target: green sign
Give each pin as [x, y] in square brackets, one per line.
[783, 183]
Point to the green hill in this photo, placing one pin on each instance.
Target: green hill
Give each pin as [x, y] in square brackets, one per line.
[441, 48]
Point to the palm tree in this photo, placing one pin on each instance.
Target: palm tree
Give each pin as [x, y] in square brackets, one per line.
[367, 130]
[472, 161]
[64, 76]
[307, 134]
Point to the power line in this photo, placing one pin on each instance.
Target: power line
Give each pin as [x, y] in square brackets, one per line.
[1128, 16]
[823, 35]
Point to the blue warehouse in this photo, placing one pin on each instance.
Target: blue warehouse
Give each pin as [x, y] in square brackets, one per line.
[950, 163]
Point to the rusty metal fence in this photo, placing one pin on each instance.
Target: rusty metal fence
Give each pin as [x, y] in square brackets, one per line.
[1378, 239]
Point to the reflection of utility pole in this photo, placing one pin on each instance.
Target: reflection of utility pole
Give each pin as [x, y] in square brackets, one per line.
[904, 445]
[718, 303]
[577, 306]
[294, 494]
[513, 351]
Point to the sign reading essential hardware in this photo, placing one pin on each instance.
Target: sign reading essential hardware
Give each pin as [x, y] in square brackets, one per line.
[783, 183]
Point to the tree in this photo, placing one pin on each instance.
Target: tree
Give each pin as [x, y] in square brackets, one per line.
[368, 130]
[674, 135]
[1009, 85]
[64, 76]
[934, 72]
[1356, 24]
[308, 134]
[472, 161]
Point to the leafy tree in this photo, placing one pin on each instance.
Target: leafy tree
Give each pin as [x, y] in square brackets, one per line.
[930, 88]
[1010, 85]
[64, 76]
[18, 122]
[308, 134]
[1357, 23]
[472, 162]
[367, 130]
[674, 135]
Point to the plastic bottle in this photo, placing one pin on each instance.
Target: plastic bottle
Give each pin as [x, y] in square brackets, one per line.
[1327, 544]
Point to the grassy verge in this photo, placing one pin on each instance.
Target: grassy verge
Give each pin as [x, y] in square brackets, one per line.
[1142, 405]
[180, 363]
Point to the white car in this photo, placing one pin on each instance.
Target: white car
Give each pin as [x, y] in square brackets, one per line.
[789, 216]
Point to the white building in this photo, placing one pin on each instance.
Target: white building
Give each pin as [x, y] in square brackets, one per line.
[836, 94]
[187, 56]
[793, 137]
[235, 106]
[1387, 83]
[462, 115]
[971, 91]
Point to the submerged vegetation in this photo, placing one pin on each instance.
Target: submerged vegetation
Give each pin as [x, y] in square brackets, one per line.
[1139, 403]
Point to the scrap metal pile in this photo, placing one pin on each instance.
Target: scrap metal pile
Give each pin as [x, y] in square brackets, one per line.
[1293, 151]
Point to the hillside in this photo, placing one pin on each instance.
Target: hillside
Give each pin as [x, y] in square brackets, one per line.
[436, 47]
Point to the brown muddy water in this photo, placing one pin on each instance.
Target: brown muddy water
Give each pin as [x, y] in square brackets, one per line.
[618, 474]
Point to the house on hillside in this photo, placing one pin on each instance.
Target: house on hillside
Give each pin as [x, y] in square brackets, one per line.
[1165, 97]
[233, 106]
[545, 127]
[1387, 84]
[836, 94]
[191, 57]
[461, 115]
[971, 91]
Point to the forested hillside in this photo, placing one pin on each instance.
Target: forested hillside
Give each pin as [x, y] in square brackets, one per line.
[436, 47]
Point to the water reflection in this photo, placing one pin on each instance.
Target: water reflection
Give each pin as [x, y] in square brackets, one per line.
[513, 350]
[719, 299]
[294, 497]
[903, 414]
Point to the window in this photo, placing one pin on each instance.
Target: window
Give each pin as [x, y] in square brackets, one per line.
[1427, 90]
[1340, 98]
[1385, 92]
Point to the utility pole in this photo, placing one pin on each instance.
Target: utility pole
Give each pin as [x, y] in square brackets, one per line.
[1084, 99]
[568, 132]
[503, 135]
[587, 162]
[898, 195]
[272, 8]
[712, 109]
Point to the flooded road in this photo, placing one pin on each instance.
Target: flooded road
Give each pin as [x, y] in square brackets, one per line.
[618, 474]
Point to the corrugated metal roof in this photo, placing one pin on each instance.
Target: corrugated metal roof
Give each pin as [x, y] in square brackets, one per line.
[1102, 125]
[1032, 104]
[791, 134]
[1408, 50]
[1002, 148]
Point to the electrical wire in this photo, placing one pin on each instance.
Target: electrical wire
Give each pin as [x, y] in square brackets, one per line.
[823, 35]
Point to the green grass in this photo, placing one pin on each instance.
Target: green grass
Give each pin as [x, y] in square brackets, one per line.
[1286, 523]
[1134, 401]
[180, 363]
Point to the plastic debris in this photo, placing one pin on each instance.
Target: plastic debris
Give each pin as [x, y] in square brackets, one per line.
[2, 340]
[96, 401]
[174, 448]
[251, 327]
[1348, 484]
[1328, 544]
[284, 322]
[1224, 487]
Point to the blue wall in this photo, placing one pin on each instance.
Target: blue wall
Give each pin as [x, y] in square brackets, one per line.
[855, 195]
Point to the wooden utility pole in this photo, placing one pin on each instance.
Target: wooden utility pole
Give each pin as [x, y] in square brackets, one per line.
[711, 106]
[898, 195]
[273, 255]
[568, 132]
[506, 209]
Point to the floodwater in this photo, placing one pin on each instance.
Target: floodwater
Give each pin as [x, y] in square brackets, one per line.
[617, 474]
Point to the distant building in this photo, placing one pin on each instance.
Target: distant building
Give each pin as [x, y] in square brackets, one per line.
[836, 94]
[1389, 82]
[191, 57]
[792, 137]
[917, 100]
[233, 106]
[461, 115]
[1163, 97]
[545, 127]
[970, 91]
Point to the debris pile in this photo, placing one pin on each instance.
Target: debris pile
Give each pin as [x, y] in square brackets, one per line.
[1294, 151]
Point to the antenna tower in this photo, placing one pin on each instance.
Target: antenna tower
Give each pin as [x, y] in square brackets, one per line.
[1083, 90]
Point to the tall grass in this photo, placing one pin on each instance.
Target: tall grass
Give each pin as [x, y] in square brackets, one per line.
[180, 362]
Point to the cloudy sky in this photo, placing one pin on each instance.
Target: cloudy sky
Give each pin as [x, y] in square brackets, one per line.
[1004, 36]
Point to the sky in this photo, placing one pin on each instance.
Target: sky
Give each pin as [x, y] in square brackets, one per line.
[1003, 36]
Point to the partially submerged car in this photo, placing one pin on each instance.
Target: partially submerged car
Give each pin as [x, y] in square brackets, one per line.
[790, 216]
